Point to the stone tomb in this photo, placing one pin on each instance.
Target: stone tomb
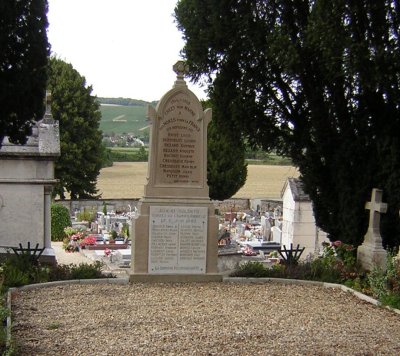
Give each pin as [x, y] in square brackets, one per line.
[26, 184]
[175, 233]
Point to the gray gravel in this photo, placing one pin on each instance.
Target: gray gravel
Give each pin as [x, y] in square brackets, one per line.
[201, 319]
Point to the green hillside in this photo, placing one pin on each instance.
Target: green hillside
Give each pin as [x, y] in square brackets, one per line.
[123, 115]
[120, 119]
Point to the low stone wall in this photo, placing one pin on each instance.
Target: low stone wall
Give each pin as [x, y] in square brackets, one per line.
[238, 204]
[116, 205]
[125, 205]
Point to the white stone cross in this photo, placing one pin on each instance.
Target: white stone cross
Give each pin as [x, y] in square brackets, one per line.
[376, 207]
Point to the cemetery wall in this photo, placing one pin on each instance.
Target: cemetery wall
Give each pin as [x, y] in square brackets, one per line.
[116, 205]
[122, 205]
[240, 204]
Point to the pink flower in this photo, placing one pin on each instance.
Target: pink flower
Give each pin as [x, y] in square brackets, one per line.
[337, 243]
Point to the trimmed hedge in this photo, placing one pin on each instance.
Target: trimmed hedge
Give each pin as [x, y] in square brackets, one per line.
[60, 219]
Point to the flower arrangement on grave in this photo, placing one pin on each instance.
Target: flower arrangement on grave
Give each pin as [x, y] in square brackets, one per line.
[74, 237]
[69, 230]
[87, 240]
[248, 251]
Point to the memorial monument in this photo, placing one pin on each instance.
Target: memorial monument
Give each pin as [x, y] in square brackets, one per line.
[174, 236]
[371, 253]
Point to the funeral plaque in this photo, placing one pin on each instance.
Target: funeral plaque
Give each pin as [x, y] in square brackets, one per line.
[177, 240]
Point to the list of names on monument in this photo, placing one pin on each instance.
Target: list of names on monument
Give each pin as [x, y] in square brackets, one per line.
[177, 239]
[179, 139]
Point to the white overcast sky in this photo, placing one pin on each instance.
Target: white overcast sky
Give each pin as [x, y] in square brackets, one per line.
[124, 48]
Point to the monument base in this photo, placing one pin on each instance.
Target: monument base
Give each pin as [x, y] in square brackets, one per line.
[370, 256]
[48, 257]
[174, 278]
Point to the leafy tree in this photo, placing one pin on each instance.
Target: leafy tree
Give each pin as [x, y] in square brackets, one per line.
[78, 114]
[226, 166]
[317, 81]
[23, 60]
[142, 154]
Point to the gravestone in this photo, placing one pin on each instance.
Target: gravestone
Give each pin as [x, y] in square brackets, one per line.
[298, 222]
[26, 184]
[175, 233]
[371, 253]
[277, 231]
[266, 227]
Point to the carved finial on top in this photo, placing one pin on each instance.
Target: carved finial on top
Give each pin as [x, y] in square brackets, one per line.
[180, 68]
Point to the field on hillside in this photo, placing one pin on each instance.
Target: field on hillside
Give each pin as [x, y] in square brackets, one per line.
[127, 179]
[119, 119]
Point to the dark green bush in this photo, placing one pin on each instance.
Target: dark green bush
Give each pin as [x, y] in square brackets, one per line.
[251, 269]
[87, 271]
[60, 219]
[4, 313]
[81, 271]
[19, 270]
[316, 270]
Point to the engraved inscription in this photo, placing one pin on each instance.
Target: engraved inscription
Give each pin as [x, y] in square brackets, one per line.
[178, 240]
[179, 144]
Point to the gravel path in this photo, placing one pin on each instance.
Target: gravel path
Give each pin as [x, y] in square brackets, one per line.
[200, 319]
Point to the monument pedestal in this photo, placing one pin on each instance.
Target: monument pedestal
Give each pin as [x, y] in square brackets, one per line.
[370, 255]
[175, 240]
[48, 257]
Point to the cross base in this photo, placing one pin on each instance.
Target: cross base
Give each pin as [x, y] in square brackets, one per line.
[370, 256]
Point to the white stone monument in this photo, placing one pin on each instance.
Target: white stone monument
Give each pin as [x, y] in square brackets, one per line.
[175, 233]
[26, 184]
[298, 222]
[371, 253]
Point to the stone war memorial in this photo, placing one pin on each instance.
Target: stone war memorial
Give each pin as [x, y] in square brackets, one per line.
[174, 235]
[26, 184]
